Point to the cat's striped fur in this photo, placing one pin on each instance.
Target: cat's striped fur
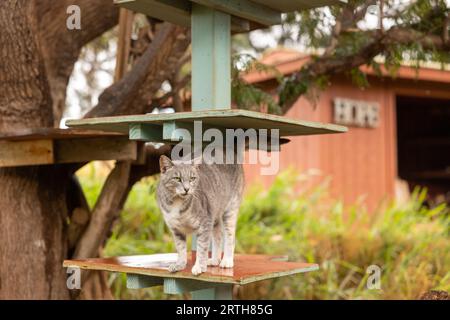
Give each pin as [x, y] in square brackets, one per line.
[203, 200]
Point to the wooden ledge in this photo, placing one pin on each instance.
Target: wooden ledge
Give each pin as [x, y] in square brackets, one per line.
[247, 269]
[54, 134]
[46, 146]
[225, 119]
[258, 13]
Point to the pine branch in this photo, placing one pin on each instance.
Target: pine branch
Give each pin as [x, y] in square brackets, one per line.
[332, 64]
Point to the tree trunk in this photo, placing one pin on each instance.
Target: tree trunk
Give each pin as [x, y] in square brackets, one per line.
[32, 199]
[38, 229]
[61, 46]
[32, 233]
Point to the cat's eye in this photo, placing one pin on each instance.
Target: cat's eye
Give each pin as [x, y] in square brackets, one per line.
[177, 178]
[192, 179]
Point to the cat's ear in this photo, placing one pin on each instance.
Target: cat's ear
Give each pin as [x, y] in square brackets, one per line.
[165, 163]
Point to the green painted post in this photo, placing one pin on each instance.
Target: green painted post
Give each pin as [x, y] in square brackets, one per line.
[211, 80]
[137, 281]
[211, 89]
[145, 132]
[222, 292]
[211, 59]
[200, 290]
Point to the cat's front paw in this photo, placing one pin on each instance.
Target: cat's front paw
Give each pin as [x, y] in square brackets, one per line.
[213, 262]
[197, 269]
[177, 267]
[227, 262]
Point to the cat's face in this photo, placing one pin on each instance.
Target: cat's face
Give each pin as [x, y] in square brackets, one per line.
[180, 179]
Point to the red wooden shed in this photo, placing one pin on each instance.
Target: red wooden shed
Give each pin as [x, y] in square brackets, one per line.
[399, 131]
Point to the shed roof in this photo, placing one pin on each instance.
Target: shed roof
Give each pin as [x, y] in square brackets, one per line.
[288, 61]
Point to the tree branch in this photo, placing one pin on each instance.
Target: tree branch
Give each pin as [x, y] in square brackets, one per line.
[176, 87]
[150, 70]
[333, 64]
[131, 94]
[151, 165]
[79, 211]
[61, 46]
[106, 209]
[112, 198]
[169, 56]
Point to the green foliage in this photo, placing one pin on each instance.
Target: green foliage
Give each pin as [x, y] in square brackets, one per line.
[315, 29]
[313, 25]
[359, 78]
[292, 88]
[409, 242]
[245, 95]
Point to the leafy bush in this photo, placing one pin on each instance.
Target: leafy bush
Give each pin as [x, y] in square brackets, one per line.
[408, 241]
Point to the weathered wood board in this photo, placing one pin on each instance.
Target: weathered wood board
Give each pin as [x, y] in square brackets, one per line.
[248, 268]
[50, 146]
[245, 9]
[82, 150]
[53, 134]
[257, 13]
[24, 153]
[227, 118]
[297, 5]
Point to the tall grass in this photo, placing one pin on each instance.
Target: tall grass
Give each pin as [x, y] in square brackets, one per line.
[409, 242]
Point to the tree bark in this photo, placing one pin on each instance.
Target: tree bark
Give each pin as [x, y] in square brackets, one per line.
[32, 199]
[32, 233]
[106, 209]
[24, 92]
[40, 225]
[132, 93]
[61, 46]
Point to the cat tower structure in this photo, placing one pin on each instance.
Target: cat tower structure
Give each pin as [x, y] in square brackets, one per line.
[212, 22]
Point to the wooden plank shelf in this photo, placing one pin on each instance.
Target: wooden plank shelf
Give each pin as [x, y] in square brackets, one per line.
[246, 15]
[45, 146]
[297, 5]
[158, 127]
[247, 269]
[53, 134]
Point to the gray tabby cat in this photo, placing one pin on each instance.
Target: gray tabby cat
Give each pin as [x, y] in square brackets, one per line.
[202, 199]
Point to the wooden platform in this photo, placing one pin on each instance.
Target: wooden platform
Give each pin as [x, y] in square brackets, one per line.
[54, 134]
[45, 146]
[246, 14]
[247, 269]
[160, 125]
